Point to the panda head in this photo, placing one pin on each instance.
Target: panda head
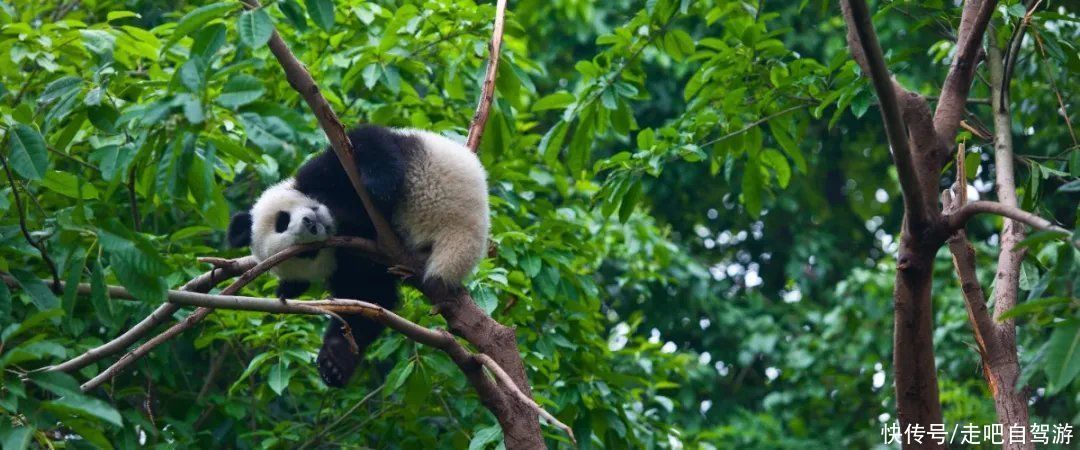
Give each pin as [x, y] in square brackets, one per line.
[280, 218]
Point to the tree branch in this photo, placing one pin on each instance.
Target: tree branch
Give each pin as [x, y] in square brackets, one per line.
[865, 48]
[973, 22]
[487, 90]
[194, 318]
[506, 382]
[301, 81]
[962, 215]
[201, 283]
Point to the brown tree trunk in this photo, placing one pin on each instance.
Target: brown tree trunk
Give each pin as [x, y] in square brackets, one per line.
[913, 340]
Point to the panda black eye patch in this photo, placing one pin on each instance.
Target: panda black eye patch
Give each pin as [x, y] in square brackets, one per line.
[282, 222]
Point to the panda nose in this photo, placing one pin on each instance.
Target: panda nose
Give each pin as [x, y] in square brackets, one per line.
[309, 224]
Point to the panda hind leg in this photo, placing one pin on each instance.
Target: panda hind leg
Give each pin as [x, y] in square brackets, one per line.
[337, 359]
[359, 280]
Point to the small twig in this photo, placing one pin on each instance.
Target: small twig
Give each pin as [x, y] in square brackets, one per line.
[753, 124]
[508, 384]
[348, 413]
[487, 91]
[38, 244]
[1053, 85]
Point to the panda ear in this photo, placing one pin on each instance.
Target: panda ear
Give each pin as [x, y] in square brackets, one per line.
[240, 230]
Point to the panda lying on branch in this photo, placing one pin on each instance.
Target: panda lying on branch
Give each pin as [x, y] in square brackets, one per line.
[432, 190]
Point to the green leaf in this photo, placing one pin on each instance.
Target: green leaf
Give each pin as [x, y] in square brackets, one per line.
[191, 74]
[294, 13]
[255, 27]
[208, 41]
[42, 297]
[113, 160]
[117, 15]
[1063, 356]
[1072, 186]
[279, 376]
[17, 438]
[557, 100]
[779, 164]
[28, 155]
[69, 185]
[485, 436]
[397, 377]
[629, 201]
[321, 12]
[1034, 307]
[241, 90]
[580, 150]
[61, 87]
[198, 17]
[552, 142]
[971, 165]
[99, 294]
[72, 400]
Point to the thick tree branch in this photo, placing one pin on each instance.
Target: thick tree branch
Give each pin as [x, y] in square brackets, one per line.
[487, 90]
[973, 22]
[301, 81]
[864, 47]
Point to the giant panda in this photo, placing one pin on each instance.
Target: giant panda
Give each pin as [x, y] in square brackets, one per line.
[432, 190]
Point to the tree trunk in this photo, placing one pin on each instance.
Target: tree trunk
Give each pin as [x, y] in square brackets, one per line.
[913, 340]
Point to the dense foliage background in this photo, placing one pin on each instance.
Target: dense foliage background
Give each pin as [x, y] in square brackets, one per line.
[693, 204]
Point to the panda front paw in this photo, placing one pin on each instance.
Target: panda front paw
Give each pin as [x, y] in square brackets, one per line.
[336, 361]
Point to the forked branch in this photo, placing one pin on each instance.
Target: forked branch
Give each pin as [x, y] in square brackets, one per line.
[866, 49]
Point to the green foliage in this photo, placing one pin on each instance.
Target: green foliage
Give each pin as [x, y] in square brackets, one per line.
[693, 209]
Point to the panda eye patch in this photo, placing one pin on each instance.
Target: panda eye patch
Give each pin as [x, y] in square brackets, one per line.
[282, 222]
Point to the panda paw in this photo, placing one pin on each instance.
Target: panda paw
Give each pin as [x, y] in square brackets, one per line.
[336, 361]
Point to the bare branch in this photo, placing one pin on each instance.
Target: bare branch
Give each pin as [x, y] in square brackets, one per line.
[973, 22]
[959, 219]
[508, 384]
[164, 312]
[865, 47]
[201, 313]
[1012, 51]
[487, 90]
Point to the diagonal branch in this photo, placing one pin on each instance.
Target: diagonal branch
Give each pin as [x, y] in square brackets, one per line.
[487, 91]
[201, 283]
[865, 47]
[973, 22]
[300, 80]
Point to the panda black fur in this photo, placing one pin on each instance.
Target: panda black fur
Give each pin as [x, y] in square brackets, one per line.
[431, 189]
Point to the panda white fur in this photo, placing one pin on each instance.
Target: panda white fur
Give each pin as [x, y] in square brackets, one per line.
[431, 189]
